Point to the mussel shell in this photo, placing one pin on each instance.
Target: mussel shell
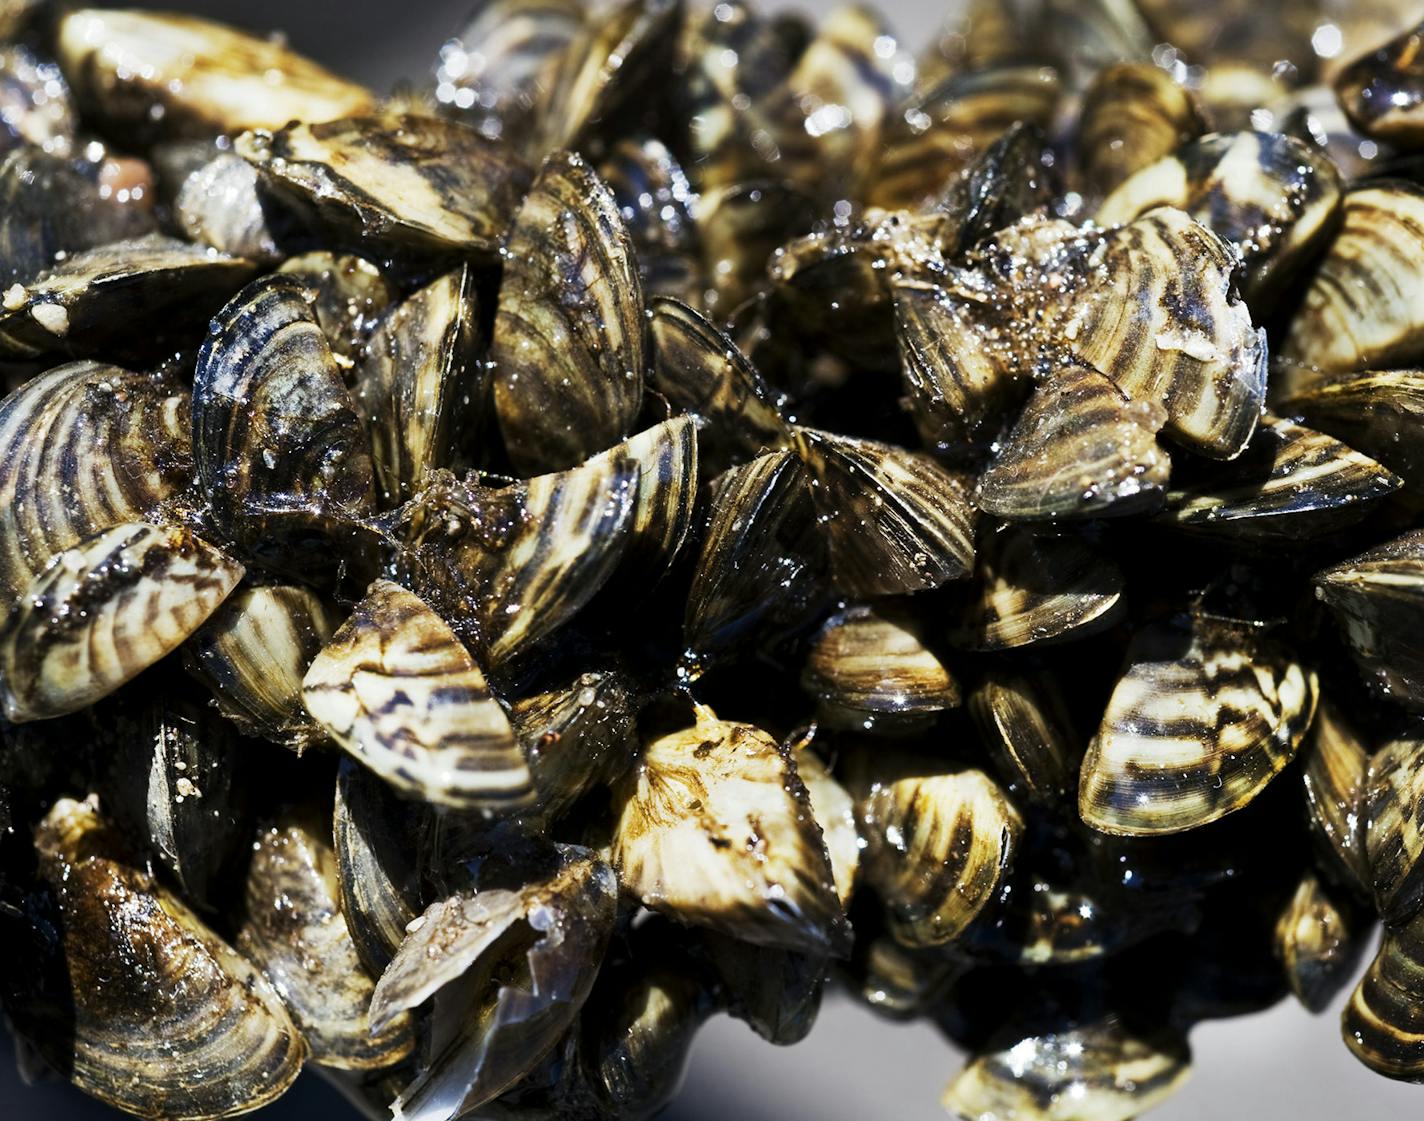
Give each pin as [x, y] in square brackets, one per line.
[509, 566]
[657, 201]
[1202, 718]
[741, 225]
[1291, 482]
[1383, 92]
[714, 824]
[1270, 195]
[90, 302]
[1319, 940]
[1080, 448]
[1379, 413]
[1362, 307]
[103, 611]
[776, 992]
[1134, 113]
[151, 74]
[253, 654]
[1335, 774]
[418, 384]
[294, 930]
[898, 982]
[1383, 1023]
[1012, 178]
[1025, 726]
[220, 205]
[400, 182]
[1377, 598]
[1394, 840]
[277, 441]
[82, 448]
[1029, 588]
[567, 349]
[35, 106]
[397, 690]
[869, 670]
[834, 811]
[167, 1020]
[351, 295]
[895, 521]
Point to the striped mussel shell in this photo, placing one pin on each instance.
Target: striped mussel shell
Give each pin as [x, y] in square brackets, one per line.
[1377, 412]
[350, 295]
[1025, 726]
[87, 303]
[1319, 938]
[834, 810]
[567, 350]
[253, 654]
[869, 669]
[102, 612]
[1204, 715]
[896, 981]
[1313, 114]
[165, 1019]
[1376, 599]
[940, 131]
[1107, 1071]
[777, 993]
[1383, 91]
[1079, 449]
[715, 822]
[377, 868]
[220, 204]
[1383, 1022]
[741, 226]
[939, 844]
[395, 182]
[293, 929]
[83, 447]
[1134, 113]
[396, 689]
[1013, 177]
[1273, 197]
[895, 521]
[658, 206]
[1032, 588]
[1394, 839]
[510, 565]
[1291, 482]
[509, 960]
[160, 74]
[1335, 773]
[419, 385]
[1363, 309]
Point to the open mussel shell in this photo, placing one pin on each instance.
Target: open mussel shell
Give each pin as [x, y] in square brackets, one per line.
[161, 74]
[166, 1019]
[1363, 308]
[777, 993]
[762, 562]
[567, 349]
[700, 369]
[1383, 92]
[1202, 718]
[895, 521]
[1273, 197]
[396, 689]
[511, 565]
[1134, 114]
[1319, 938]
[941, 131]
[1335, 774]
[350, 295]
[1394, 837]
[277, 441]
[1379, 413]
[220, 205]
[377, 870]
[509, 965]
[1024, 723]
[88, 302]
[253, 654]
[869, 670]
[1079, 449]
[404, 182]
[418, 384]
[938, 846]
[1377, 599]
[1099, 1070]
[1383, 1023]
[83, 447]
[834, 811]
[293, 929]
[1291, 482]
[1029, 588]
[715, 828]
[103, 611]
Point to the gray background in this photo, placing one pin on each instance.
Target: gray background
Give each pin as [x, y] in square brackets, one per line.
[1278, 1065]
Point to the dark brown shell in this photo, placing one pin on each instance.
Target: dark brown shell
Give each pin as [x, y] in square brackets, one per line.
[1379, 413]
[1319, 938]
[1336, 780]
[1383, 92]
[1383, 1024]
[1026, 728]
[1394, 839]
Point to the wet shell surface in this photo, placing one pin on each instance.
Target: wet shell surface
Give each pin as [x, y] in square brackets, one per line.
[1382, 1023]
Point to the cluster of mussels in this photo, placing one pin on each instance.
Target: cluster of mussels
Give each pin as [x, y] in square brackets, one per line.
[498, 574]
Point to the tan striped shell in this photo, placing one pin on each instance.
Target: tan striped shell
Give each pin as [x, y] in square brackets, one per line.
[1383, 1023]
